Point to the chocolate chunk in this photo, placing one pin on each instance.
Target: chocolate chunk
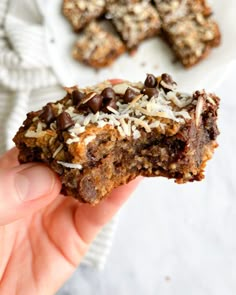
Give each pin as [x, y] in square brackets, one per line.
[47, 115]
[64, 121]
[108, 93]
[129, 95]
[150, 81]
[77, 97]
[150, 92]
[111, 103]
[95, 103]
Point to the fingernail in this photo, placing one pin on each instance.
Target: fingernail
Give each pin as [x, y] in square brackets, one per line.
[34, 182]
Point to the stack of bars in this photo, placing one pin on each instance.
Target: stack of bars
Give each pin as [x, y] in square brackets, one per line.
[108, 28]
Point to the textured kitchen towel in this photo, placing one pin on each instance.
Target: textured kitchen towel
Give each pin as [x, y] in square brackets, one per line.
[27, 82]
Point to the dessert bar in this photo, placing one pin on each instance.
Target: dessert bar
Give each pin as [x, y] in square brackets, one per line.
[188, 28]
[81, 12]
[100, 137]
[134, 20]
[97, 47]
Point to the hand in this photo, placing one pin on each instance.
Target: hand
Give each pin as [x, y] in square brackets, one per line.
[44, 235]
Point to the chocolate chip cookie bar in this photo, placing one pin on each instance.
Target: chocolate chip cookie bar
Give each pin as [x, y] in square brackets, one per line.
[134, 20]
[97, 47]
[81, 12]
[98, 138]
[189, 29]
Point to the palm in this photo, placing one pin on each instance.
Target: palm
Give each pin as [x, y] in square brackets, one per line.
[41, 250]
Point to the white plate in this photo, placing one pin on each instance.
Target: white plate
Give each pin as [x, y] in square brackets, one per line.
[153, 56]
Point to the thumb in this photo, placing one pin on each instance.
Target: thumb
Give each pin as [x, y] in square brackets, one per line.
[25, 189]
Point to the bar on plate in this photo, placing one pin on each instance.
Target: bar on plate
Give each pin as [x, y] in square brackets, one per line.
[134, 20]
[97, 47]
[81, 12]
[189, 29]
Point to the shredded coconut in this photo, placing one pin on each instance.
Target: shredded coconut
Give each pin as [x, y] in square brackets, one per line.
[33, 134]
[73, 140]
[71, 165]
[199, 108]
[38, 132]
[88, 139]
[210, 99]
[57, 151]
[141, 112]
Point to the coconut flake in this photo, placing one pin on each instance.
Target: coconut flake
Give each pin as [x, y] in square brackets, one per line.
[210, 99]
[183, 114]
[88, 119]
[121, 131]
[77, 129]
[90, 96]
[71, 165]
[142, 123]
[136, 134]
[33, 134]
[59, 108]
[73, 140]
[35, 119]
[199, 108]
[113, 110]
[126, 127]
[171, 95]
[155, 124]
[37, 133]
[102, 123]
[40, 126]
[57, 151]
[88, 139]
[122, 87]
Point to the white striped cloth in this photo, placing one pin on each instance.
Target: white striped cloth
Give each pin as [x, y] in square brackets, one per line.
[27, 83]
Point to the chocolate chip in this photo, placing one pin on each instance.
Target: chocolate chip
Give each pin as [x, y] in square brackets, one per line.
[168, 84]
[77, 97]
[30, 117]
[150, 92]
[129, 95]
[95, 103]
[111, 103]
[108, 93]
[196, 94]
[47, 115]
[64, 121]
[167, 79]
[150, 81]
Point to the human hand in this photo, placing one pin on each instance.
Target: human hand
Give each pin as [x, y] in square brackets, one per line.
[43, 235]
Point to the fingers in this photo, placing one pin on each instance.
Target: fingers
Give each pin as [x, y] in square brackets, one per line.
[89, 220]
[25, 189]
[9, 159]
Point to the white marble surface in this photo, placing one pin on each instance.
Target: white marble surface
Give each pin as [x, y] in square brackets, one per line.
[176, 239]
